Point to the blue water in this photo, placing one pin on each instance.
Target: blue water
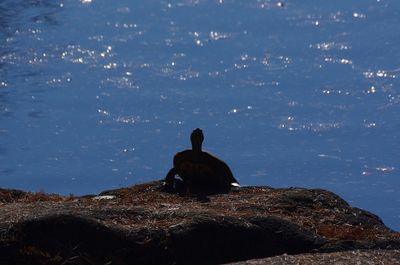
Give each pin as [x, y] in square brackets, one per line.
[101, 94]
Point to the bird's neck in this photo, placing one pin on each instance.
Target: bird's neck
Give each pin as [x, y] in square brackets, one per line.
[196, 149]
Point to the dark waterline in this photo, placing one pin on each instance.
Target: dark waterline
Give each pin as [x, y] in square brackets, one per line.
[100, 94]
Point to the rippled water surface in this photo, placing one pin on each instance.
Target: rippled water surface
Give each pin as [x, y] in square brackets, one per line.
[101, 94]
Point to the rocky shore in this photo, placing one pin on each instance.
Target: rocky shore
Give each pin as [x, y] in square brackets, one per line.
[144, 225]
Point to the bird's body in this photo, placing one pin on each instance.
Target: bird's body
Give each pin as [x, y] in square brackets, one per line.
[200, 170]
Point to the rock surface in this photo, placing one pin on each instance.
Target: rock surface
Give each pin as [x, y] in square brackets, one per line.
[143, 225]
[356, 257]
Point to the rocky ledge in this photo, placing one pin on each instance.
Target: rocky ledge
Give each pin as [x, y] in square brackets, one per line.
[143, 225]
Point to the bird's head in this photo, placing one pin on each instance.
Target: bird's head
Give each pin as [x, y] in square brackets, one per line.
[197, 139]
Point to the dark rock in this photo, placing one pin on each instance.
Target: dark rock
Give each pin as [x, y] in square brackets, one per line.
[357, 257]
[11, 195]
[144, 225]
[66, 237]
[347, 245]
[211, 241]
[360, 216]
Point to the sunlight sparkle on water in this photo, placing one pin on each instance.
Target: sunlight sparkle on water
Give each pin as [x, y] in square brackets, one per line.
[293, 93]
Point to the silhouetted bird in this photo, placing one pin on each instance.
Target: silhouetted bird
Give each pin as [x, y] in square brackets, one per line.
[199, 171]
